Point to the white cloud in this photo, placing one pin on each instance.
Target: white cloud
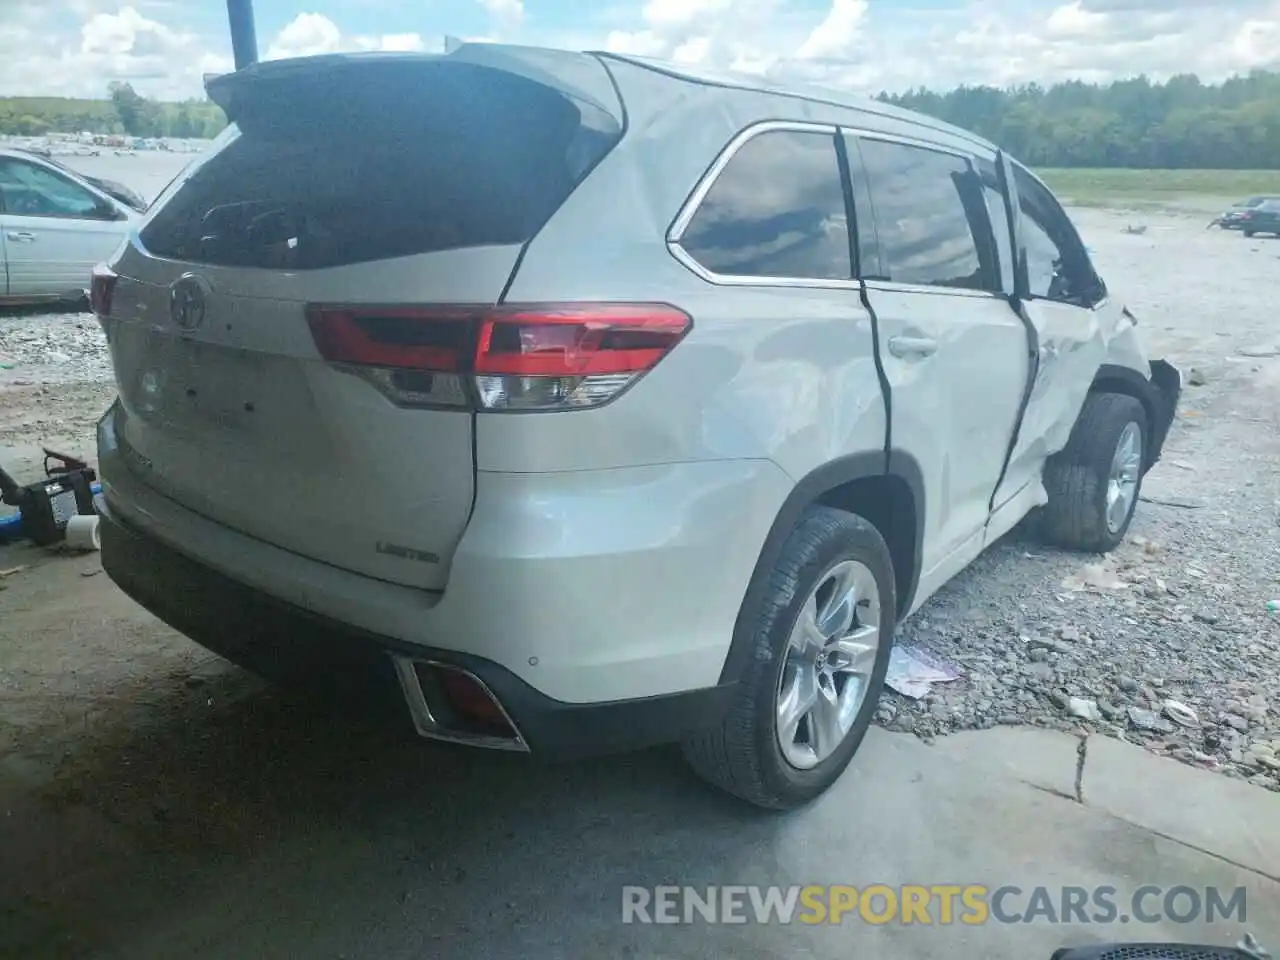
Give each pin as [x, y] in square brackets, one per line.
[310, 34]
[75, 47]
[1073, 20]
[306, 35]
[836, 34]
[400, 42]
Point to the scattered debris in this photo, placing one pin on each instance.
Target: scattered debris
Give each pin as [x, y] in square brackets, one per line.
[1181, 714]
[1180, 504]
[12, 570]
[913, 671]
[1084, 709]
[1196, 377]
[1137, 230]
[1149, 720]
[1097, 576]
[1261, 352]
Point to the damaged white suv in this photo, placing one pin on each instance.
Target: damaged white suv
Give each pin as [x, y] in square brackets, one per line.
[576, 402]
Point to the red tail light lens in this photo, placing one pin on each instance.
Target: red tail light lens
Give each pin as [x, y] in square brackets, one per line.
[536, 357]
[414, 356]
[570, 356]
[102, 287]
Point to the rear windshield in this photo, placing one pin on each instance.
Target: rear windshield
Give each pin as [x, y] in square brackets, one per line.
[386, 163]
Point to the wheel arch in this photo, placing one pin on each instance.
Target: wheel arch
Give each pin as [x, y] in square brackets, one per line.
[886, 490]
[1113, 378]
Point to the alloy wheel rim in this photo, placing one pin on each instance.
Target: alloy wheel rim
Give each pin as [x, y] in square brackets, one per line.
[1122, 479]
[829, 658]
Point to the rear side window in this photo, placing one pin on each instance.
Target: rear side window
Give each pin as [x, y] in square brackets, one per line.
[386, 163]
[776, 210]
[931, 217]
[1058, 266]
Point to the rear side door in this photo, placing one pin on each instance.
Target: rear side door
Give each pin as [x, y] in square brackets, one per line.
[1073, 321]
[954, 351]
[55, 229]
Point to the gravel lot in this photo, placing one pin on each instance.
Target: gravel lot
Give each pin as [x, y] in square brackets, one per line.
[1178, 614]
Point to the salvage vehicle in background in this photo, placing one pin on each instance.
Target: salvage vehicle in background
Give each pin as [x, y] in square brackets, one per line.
[583, 402]
[1264, 218]
[1235, 217]
[55, 226]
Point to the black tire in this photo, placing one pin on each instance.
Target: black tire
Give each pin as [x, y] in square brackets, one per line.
[1247, 233]
[1076, 477]
[742, 756]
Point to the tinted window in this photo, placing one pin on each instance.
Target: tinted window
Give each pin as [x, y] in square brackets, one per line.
[776, 210]
[930, 216]
[386, 163]
[30, 190]
[1058, 267]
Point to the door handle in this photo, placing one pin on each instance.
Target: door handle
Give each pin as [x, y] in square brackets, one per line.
[912, 346]
[21, 236]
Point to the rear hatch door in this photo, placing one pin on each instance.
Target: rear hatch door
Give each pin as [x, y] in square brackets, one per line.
[382, 185]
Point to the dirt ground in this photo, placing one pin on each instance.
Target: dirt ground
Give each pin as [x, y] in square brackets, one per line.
[127, 751]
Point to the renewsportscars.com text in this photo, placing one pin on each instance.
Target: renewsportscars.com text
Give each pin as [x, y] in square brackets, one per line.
[932, 904]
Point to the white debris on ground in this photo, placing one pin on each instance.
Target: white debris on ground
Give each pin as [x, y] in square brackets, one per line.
[44, 348]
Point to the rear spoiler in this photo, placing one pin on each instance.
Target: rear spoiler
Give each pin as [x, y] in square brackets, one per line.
[578, 76]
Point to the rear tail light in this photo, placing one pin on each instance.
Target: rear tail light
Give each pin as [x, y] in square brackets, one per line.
[102, 286]
[538, 357]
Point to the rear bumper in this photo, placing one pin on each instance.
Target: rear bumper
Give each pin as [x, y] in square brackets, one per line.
[288, 644]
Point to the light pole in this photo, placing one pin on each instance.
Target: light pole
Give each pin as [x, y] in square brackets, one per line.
[244, 38]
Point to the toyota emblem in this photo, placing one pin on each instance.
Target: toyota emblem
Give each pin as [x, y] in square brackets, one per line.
[188, 299]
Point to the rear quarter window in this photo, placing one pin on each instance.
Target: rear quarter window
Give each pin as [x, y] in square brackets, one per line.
[389, 166]
[776, 210]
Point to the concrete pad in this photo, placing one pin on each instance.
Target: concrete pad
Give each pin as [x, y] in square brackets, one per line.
[350, 846]
[1229, 818]
[1042, 758]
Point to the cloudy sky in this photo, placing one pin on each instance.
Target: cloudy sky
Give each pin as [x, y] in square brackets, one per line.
[163, 47]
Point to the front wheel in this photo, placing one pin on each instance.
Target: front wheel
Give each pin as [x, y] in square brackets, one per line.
[821, 637]
[1094, 482]
[1248, 233]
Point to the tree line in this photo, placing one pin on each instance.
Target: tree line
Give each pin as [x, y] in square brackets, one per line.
[1180, 124]
[125, 111]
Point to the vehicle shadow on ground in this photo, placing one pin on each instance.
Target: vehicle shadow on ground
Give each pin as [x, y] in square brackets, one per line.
[281, 793]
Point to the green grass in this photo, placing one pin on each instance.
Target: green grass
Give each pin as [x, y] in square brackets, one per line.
[1107, 187]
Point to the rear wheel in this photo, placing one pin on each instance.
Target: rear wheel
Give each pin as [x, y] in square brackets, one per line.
[1094, 482]
[822, 635]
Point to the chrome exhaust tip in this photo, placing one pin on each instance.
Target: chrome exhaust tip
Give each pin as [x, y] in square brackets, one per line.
[454, 705]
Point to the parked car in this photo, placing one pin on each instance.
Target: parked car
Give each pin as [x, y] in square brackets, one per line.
[1234, 218]
[55, 226]
[588, 402]
[1264, 218]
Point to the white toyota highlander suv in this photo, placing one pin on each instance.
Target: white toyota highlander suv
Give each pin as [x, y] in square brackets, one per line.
[581, 402]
